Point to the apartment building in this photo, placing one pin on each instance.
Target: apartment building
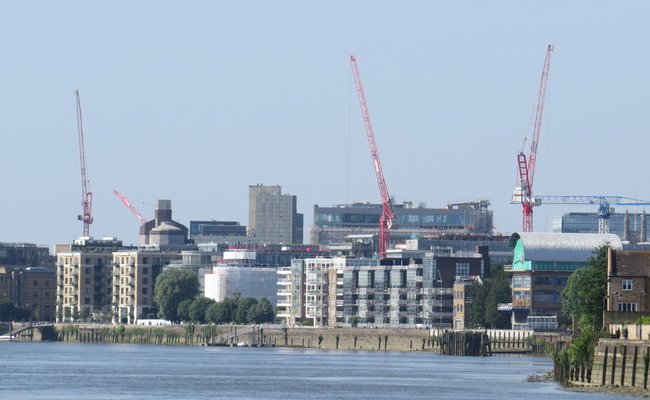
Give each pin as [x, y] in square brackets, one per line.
[31, 287]
[133, 276]
[390, 292]
[83, 277]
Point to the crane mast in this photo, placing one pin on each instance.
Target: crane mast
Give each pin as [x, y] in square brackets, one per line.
[527, 166]
[86, 196]
[388, 211]
[130, 206]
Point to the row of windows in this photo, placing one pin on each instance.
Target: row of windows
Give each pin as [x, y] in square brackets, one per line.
[403, 219]
[626, 307]
[35, 294]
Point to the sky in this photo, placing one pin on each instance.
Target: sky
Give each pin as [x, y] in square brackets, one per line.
[194, 101]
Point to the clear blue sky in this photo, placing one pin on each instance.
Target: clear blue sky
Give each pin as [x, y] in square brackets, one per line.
[193, 101]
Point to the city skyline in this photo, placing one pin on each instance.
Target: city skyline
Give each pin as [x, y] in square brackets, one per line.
[195, 102]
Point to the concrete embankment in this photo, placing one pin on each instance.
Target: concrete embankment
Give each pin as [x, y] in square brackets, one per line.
[267, 335]
[228, 335]
[354, 339]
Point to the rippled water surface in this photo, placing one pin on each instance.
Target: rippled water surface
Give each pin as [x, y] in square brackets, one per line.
[127, 371]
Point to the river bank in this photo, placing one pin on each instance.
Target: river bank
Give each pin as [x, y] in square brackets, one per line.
[380, 339]
[614, 389]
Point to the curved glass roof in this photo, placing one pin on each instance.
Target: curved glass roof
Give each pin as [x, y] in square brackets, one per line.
[567, 247]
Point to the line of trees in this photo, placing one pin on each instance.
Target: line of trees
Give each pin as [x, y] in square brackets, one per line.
[176, 293]
[236, 310]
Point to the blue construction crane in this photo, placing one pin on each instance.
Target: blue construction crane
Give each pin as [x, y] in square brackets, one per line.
[604, 203]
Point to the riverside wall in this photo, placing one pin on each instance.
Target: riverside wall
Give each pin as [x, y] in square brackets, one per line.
[617, 363]
[354, 339]
[373, 339]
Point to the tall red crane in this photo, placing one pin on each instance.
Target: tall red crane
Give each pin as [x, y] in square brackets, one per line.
[86, 195]
[388, 211]
[130, 206]
[524, 193]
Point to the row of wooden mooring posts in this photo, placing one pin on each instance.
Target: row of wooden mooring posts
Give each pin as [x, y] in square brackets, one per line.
[465, 344]
[613, 367]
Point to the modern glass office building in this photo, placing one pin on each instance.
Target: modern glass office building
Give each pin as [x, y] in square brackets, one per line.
[333, 224]
[628, 226]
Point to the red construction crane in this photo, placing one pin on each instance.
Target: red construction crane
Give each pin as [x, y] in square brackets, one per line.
[86, 196]
[388, 211]
[524, 193]
[130, 206]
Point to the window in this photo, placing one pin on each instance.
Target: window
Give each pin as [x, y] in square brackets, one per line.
[144, 290]
[145, 300]
[87, 270]
[627, 284]
[145, 281]
[35, 283]
[626, 307]
[145, 260]
[87, 290]
[145, 271]
[462, 269]
[35, 294]
[86, 300]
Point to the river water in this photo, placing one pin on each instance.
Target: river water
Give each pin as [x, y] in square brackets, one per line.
[127, 371]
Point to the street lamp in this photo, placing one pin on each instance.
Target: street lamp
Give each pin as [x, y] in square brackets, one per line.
[440, 282]
[604, 309]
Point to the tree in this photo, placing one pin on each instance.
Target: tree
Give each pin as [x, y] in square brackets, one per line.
[241, 316]
[261, 312]
[487, 296]
[174, 285]
[585, 290]
[198, 308]
[183, 310]
[6, 309]
[222, 312]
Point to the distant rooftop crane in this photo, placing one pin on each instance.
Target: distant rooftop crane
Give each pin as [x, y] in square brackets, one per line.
[604, 203]
[86, 195]
[526, 167]
[130, 206]
[388, 211]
